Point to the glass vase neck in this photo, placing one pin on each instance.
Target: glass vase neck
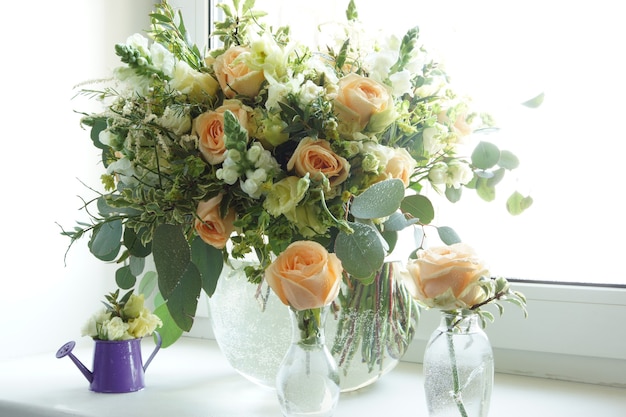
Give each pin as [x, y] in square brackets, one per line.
[308, 326]
[459, 322]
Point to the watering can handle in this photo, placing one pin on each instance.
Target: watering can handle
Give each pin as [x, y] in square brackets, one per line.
[159, 341]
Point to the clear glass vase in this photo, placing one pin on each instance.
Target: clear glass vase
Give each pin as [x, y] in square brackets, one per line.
[458, 368]
[373, 327]
[367, 330]
[307, 381]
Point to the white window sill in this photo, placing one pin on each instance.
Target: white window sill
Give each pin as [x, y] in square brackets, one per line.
[192, 378]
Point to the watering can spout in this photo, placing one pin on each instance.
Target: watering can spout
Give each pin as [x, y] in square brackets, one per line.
[66, 350]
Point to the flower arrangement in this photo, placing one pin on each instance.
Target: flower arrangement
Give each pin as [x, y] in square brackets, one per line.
[126, 318]
[456, 281]
[264, 141]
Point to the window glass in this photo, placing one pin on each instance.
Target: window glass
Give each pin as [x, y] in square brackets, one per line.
[571, 148]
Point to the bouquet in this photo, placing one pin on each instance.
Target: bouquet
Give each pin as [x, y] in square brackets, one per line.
[262, 141]
[126, 318]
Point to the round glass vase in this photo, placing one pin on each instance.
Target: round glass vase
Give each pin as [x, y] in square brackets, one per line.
[368, 328]
[458, 368]
[307, 380]
[373, 327]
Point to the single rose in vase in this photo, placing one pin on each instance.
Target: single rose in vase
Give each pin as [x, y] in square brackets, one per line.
[446, 277]
[305, 275]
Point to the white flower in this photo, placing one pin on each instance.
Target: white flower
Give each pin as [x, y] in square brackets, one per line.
[309, 92]
[92, 326]
[163, 59]
[175, 120]
[115, 329]
[459, 173]
[432, 139]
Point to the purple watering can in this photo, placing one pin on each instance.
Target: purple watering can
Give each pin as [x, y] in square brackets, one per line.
[117, 364]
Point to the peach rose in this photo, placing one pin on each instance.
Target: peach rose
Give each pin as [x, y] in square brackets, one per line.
[315, 157]
[211, 226]
[362, 102]
[234, 75]
[446, 277]
[209, 127]
[305, 275]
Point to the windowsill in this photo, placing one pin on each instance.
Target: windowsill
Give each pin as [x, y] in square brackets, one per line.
[192, 378]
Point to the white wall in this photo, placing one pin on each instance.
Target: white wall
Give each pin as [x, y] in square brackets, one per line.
[49, 48]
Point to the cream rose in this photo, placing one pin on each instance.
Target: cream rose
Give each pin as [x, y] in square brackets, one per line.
[234, 75]
[401, 165]
[214, 229]
[446, 277]
[209, 127]
[315, 157]
[144, 324]
[362, 102]
[305, 275]
[196, 85]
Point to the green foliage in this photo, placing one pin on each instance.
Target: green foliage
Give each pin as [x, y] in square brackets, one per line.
[361, 252]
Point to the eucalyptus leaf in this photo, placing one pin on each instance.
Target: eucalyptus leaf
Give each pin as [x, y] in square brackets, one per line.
[172, 256]
[517, 203]
[209, 262]
[183, 300]
[453, 194]
[99, 124]
[170, 332]
[448, 235]
[486, 155]
[508, 160]
[398, 221]
[134, 245]
[148, 283]
[420, 207]
[534, 102]
[136, 265]
[106, 238]
[379, 200]
[485, 190]
[124, 278]
[360, 252]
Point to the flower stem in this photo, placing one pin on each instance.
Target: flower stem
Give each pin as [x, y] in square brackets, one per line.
[458, 399]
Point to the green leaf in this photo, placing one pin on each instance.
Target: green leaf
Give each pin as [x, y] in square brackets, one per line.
[134, 245]
[147, 284]
[508, 160]
[485, 190]
[398, 221]
[124, 278]
[106, 239]
[172, 256]
[534, 102]
[98, 126]
[486, 155]
[381, 199]
[517, 203]
[136, 265]
[453, 194]
[448, 235]
[170, 332]
[419, 207]
[209, 262]
[183, 300]
[360, 252]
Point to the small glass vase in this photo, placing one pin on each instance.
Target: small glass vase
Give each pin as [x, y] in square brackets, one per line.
[307, 381]
[458, 368]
